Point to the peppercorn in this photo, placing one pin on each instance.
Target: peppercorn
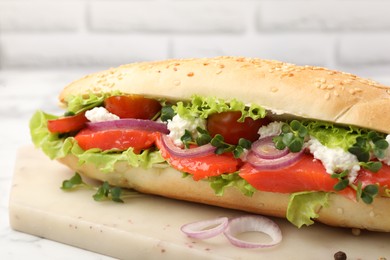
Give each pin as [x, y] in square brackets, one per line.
[340, 255]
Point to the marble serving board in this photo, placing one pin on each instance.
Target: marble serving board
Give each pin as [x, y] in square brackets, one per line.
[148, 227]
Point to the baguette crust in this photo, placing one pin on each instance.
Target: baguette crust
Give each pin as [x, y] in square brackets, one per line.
[282, 88]
[168, 182]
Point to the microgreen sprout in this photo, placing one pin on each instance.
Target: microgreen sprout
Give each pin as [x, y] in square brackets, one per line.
[367, 144]
[106, 192]
[103, 192]
[372, 142]
[292, 136]
[343, 180]
[203, 137]
[167, 113]
[74, 183]
[366, 194]
[223, 147]
[187, 139]
[217, 141]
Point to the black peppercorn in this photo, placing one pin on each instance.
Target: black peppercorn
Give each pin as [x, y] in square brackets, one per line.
[340, 255]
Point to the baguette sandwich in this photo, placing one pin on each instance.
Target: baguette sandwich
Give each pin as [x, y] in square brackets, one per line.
[301, 142]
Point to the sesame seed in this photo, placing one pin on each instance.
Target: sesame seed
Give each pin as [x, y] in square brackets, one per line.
[354, 91]
[356, 231]
[190, 74]
[177, 82]
[274, 89]
[327, 96]
[347, 81]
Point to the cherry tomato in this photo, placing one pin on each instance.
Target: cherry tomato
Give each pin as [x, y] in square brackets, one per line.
[132, 106]
[121, 139]
[226, 124]
[67, 124]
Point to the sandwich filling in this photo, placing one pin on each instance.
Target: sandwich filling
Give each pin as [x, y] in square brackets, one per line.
[227, 143]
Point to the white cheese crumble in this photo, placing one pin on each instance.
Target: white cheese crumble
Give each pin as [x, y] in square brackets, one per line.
[178, 125]
[100, 114]
[386, 159]
[273, 128]
[335, 159]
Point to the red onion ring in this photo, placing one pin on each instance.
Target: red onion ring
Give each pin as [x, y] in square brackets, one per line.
[272, 164]
[205, 229]
[253, 223]
[265, 148]
[192, 152]
[127, 123]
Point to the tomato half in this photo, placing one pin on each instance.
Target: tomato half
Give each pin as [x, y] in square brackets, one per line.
[132, 106]
[306, 174]
[121, 139]
[200, 167]
[226, 124]
[67, 124]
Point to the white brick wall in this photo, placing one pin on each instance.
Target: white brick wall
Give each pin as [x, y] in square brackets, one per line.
[344, 34]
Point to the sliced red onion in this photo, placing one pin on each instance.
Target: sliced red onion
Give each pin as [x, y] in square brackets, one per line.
[272, 164]
[205, 229]
[249, 224]
[192, 152]
[129, 123]
[265, 148]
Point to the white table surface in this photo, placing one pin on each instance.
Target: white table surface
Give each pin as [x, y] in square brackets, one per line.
[21, 93]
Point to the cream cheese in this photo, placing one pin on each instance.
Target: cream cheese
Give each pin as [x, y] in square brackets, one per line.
[100, 114]
[178, 125]
[386, 159]
[335, 159]
[273, 128]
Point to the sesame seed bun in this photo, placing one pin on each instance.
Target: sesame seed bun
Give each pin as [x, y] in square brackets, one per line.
[282, 88]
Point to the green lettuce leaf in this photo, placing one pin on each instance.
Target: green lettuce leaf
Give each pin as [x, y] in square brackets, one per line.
[303, 205]
[333, 136]
[204, 106]
[77, 104]
[106, 160]
[57, 146]
[51, 144]
[221, 182]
